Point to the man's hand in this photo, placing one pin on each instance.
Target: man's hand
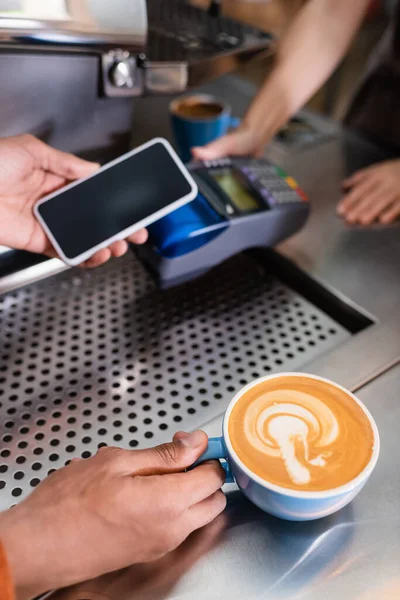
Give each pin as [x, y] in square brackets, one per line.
[102, 514]
[154, 580]
[373, 194]
[30, 169]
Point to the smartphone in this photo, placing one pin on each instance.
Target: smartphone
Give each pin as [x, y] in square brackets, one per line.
[123, 196]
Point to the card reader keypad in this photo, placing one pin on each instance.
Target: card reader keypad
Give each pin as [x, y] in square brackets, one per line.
[272, 183]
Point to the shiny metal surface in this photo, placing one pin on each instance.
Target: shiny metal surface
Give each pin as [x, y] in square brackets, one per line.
[79, 23]
[165, 77]
[57, 97]
[171, 44]
[35, 273]
[122, 76]
[352, 555]
[102, 357]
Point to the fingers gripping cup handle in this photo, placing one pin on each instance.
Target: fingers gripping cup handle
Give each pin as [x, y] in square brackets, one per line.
[216, 449]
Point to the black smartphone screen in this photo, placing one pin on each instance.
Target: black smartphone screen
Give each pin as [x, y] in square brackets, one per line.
[114, 199]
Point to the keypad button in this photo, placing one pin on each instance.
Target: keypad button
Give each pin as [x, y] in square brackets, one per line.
[285, 197]
[279, 186]
[291, 182]
[301, 193]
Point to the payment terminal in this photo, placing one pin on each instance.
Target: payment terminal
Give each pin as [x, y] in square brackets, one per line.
[242, 203]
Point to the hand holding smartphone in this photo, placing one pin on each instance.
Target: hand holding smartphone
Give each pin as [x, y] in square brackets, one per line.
[127, 194]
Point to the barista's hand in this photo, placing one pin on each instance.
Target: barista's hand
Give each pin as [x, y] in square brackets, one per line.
[30, 169]
[244, 141]
[373, 194]
[110, 511]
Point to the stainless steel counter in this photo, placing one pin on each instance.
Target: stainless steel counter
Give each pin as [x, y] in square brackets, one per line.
[353, 555]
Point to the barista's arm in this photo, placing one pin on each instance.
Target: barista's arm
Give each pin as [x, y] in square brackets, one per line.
[307, 55]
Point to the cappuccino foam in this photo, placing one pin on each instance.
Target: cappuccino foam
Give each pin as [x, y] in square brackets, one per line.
[301, 433]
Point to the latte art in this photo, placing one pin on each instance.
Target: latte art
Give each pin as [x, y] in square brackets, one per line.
[301, 433]
[279, 423]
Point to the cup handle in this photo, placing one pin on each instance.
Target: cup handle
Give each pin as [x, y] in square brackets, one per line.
[234, 122]
[216, 449]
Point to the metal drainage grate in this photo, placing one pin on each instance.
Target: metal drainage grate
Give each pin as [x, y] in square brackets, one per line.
[89, 358]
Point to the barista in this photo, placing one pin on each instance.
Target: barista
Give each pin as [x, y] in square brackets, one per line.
[307, 55]
[119, 507]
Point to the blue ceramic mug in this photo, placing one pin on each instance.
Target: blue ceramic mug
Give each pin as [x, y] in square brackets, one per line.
[197, 120]
[289, 504]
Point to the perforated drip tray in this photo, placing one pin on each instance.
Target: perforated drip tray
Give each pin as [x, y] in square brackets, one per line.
[89, 358]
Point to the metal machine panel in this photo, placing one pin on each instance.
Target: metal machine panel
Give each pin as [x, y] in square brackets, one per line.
[70, 23]
[158, 47]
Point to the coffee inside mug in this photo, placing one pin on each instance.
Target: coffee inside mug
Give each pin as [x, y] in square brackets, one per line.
[193, 107]
[301, 433]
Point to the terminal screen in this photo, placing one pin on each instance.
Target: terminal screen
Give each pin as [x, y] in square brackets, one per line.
[241, 197]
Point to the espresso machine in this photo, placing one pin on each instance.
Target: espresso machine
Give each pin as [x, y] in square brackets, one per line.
[70, 69]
